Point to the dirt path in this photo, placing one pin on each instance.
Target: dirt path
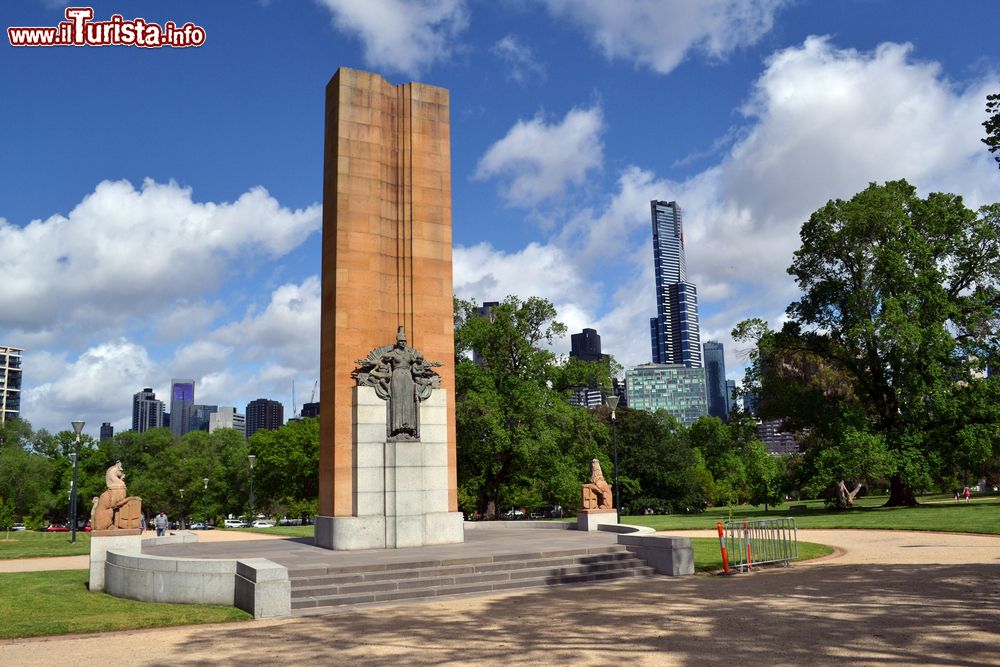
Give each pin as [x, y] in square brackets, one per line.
[886, 598]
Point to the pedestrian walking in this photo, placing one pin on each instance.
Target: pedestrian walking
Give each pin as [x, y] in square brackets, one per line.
[161, 524]
[967, 494]
[142, 523]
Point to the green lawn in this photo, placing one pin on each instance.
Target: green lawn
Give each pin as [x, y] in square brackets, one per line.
[34, 544]
[35, 604]
[708, 558]
[936, 513]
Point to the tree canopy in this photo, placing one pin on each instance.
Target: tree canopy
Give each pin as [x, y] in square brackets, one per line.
[886, 348]
[992, 125]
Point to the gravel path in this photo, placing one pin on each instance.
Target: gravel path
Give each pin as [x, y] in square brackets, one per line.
[885, 598]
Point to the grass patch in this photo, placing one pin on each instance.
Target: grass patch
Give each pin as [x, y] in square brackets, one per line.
[937, 513]
[708, 558]
[36, 604]
[35, 544]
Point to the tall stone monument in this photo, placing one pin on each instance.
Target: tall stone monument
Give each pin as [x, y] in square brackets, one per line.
[387, 475]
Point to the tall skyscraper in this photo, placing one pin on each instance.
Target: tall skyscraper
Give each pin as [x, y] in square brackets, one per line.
[107, 431]
[10, 382]
[200, 415]
[181, 406]
[730, 395]
[485, 310]
[715, 379]
[586, 345]
[147, 412]
[264, 413]
[674, 332]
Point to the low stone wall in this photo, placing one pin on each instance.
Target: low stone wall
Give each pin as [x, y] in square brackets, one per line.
[672, 556]
[490, 525]
[256, 585]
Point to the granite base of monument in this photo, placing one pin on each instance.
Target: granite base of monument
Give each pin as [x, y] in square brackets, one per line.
[127, 541]
[591, 519]
[400, 486]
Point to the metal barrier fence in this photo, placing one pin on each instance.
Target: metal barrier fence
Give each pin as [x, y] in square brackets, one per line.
[761, 541]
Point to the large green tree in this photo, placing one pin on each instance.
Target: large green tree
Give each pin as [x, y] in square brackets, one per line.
[992, 125]
[519, 443]
[900, 305]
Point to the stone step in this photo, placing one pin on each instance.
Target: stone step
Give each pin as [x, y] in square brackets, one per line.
[303, 606]
[486, 565]
[430, 564]
[460, 575]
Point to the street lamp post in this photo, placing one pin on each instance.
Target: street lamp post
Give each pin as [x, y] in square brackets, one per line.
[204, 504]
[182, 509]
[252, 459]
[613, 403]
[78, 427]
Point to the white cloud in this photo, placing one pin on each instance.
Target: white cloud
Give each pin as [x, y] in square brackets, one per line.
[659, 33]
[286, 332]
[405, 36]
[95, 387]
[521, 62]
[541, 160]
[123, 252]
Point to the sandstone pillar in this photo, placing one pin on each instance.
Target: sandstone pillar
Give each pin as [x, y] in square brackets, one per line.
[386, 255]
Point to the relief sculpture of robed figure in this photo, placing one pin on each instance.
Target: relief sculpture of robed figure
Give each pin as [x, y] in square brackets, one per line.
[401, 376]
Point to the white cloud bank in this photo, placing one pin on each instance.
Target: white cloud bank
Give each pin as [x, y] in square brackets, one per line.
[124, 252]
[405, 36]
[658, 34]
[540, 160]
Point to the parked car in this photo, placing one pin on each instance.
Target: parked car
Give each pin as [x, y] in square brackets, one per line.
[57, 528]
[512, 513]
[547, 512]
[200, 525]
[235, 523]
[17, 526]
[260, 523]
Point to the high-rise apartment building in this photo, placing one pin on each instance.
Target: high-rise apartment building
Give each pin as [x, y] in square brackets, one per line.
[310, 410]
[107, 431]
[674, 332]
[678, 389]
[10, 382]
[715, 379]
[147, 411]
[264, 413]
[181, 406]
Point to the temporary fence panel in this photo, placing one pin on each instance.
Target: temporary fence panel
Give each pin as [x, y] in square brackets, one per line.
[761, 541]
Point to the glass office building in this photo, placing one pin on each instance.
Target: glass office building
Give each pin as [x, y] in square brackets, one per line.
[678, 389]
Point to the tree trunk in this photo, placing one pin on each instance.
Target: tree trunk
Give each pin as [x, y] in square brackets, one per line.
[491, 509]
[900, 494]
[845, 498]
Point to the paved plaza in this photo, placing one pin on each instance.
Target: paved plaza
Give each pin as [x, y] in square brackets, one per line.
[884, 598]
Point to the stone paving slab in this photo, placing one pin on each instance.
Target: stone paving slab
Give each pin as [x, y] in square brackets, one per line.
[299, 554]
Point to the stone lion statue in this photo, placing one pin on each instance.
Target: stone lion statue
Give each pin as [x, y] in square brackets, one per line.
[597, 494]
[115, 509]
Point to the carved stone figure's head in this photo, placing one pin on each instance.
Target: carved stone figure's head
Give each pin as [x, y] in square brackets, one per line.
[401, 337]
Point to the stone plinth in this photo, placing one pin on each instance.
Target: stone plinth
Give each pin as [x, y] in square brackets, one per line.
[401, 489]
[591, 519]
[386, 262]
[127, 541]
[672, 556]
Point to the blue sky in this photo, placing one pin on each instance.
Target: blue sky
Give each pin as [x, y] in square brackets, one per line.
[160, 208]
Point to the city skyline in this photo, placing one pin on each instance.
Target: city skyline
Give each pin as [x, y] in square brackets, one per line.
[170, 229]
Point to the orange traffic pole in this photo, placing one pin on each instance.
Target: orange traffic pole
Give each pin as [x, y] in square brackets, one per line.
[722, 547]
